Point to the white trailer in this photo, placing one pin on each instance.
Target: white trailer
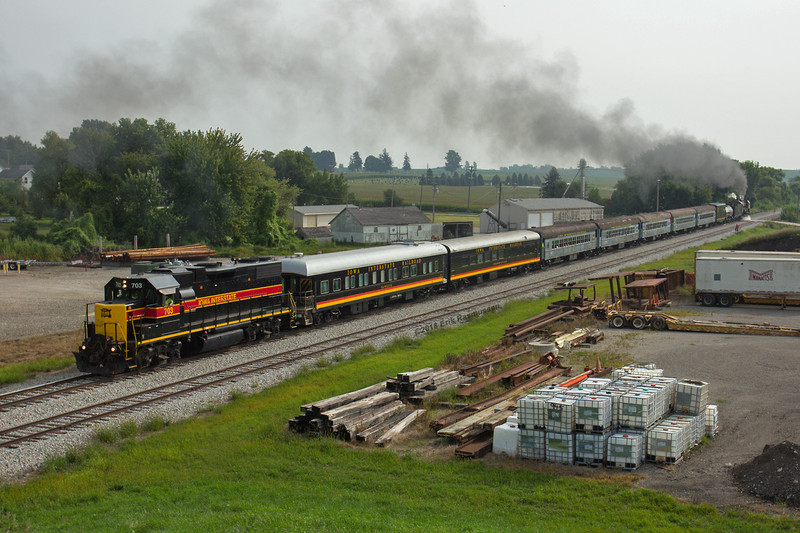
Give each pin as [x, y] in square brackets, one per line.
[723, 277]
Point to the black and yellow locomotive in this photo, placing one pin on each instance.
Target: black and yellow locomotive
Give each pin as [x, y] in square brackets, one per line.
[175, 311]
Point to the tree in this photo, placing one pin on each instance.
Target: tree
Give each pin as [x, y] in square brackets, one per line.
[386, 160]
[452, 161]
[324, 160]
[553, 186]
[146, 210]
[391, 199]
[24, 227]
[373, 164]
[14, 151]
[355, 162]
[406, 162]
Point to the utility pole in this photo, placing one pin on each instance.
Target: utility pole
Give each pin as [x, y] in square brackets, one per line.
[469, 184]
[658, 194]
[499, 203]
[435, 190]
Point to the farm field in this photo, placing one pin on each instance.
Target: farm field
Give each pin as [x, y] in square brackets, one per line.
[448, 197]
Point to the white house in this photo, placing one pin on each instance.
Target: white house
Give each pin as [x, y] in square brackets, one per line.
[22, 174]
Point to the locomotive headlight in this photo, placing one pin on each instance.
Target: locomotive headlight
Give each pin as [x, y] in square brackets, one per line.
[83, 346]
[113, 348]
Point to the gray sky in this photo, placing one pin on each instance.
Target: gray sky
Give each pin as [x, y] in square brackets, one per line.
[501, 82]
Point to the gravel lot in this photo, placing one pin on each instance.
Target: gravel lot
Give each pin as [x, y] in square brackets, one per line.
[752, 378]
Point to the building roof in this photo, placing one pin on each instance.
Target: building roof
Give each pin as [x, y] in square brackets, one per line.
[539, 204]
[383, 216]
[322, 209]
[15, 173]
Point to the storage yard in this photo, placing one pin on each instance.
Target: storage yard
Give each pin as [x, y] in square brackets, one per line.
[751, 378]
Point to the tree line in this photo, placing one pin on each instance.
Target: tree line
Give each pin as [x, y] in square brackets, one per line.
[149, 179]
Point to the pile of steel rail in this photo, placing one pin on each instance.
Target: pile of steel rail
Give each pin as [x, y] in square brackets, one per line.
[190, 251]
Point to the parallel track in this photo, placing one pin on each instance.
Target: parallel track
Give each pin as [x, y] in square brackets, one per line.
[61, 423]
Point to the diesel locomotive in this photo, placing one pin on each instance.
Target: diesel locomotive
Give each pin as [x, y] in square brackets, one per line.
[174, 311]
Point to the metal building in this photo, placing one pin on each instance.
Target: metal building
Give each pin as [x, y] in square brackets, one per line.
[516, 214]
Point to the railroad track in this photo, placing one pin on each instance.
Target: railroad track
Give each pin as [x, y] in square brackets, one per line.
[87, 415]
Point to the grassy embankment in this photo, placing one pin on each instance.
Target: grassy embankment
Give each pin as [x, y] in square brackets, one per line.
[238, 468]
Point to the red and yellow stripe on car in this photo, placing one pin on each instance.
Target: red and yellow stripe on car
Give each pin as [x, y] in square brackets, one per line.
[494, 268]
[379, 292]
[204, 301]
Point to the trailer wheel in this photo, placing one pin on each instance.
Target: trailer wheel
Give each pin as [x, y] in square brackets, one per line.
[707, 299]
[638, 322]
[616, 321]
[725, 300]
[658, 322]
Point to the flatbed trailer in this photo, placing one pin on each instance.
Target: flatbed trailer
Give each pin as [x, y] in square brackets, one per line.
[662, 321]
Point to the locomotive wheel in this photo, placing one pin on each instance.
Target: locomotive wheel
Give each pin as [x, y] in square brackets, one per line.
[658, 323]
[708, 300]
[725, 300]
[638, 322]
[616, 321]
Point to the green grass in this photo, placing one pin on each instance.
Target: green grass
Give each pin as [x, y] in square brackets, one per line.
[238, 468]
[17, 372]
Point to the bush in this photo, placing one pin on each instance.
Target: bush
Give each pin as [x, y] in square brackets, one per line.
[23, 228]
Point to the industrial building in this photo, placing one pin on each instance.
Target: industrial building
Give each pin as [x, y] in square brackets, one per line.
[515, 214]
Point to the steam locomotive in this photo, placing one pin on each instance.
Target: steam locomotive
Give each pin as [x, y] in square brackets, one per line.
[174, 311]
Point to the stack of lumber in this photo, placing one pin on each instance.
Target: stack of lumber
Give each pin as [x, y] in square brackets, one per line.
[421, 385]
[190, 251]
[346, 414]
[376, 413]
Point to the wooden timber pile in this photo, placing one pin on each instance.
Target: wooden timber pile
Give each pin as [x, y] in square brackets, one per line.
[377, 413]
[189, 251]
[424, 384]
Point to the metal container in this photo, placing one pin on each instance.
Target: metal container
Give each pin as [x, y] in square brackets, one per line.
[560, 447]
[532, 444]
[637, 409]
[590, 448]
[666, 444]
[595, 383]
[560, 415]
[691, 397]
[593, 413]
[625, 450]
[712, 420]
[532, 411]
